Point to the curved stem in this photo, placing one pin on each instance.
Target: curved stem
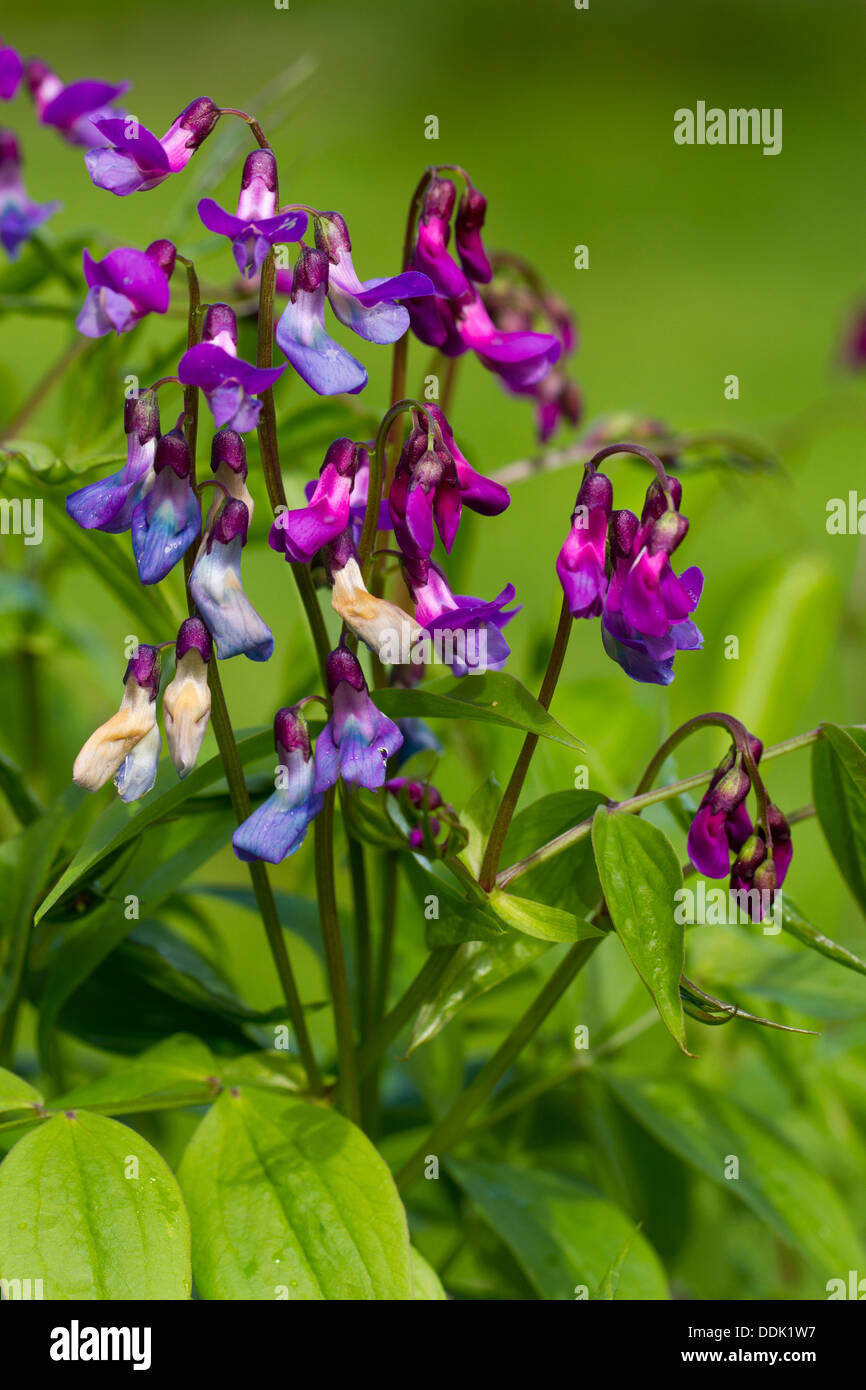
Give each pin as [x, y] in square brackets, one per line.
[638, 449]
[511, 795]
[324, 840]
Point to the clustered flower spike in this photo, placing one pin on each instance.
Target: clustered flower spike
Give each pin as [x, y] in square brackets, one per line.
[519, 308]
[300, 533]
[418, 801]
[618, 566]
[229, 384]
[277, 828]
[723, 826]
[124, 287]
[257, 226]
[19, 217]
[134, 160]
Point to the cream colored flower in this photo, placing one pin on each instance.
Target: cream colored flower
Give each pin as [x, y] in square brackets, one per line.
[380, 625]
[186, 708]
[111, 744]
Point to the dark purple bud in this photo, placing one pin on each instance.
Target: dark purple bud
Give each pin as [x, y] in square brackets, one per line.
[343, 665]
[338, 552]
[261, 164]
[143, 668]
[228, 447]
[199, 119]
[164, 253]
[35, 73]
[192, 634]
[778, 825]
[342, 455]
[731, 788]
[470, 220]
[141, 416]
[10, 152]
[290, 732]
[765, 877]
[596, 490]
[661, 496]
[667, 532]
[172, 451]
[623, 529]
[220, 318]
[332, 235]
[311, 271]
[233, 520]
[439, 200]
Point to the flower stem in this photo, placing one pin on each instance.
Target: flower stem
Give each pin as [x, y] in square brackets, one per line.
[324, 839]
[450, 1128]
[511, 795]
[411, 999]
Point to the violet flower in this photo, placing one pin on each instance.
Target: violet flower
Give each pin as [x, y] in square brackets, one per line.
[108, 504]
[467, 235]
[127, 746]
[229, 383]
[467, 631]
[19, 217]
[215, 584]
[322, 363]
[277, 828]
[301, 532]
[167, 520]
[257, 226]
[581, 564]
[368, 307]
[517, 308]
[11, 71]
[358, 739]
[73, 109]
[135, 160]
[521, 360]
[228, 461]
[124, 287]
[186, 701]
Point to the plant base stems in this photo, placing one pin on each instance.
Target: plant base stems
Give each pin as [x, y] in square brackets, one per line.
[324, 841]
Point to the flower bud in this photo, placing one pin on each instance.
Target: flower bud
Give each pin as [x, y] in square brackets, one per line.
[187, 701]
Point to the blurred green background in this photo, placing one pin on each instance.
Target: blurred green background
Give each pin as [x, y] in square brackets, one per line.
[702, 262]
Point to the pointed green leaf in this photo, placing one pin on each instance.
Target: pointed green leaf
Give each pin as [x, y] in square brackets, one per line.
[795, 924]
[540, 919]
[427, 1286]
[494, 698]
[16, 1094]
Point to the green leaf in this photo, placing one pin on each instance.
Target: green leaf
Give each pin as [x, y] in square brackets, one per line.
[494, 698]
[427, 1286]
[477, 966]
[540, 920]
[564, 1234]
[477, 818]
[16, 1094]
[568, 879]
[796, 925]
[708, 1128]
[291, 1201]
[90, 1208]
[178, 1066]
[840, 801]
[120, 824]
[456, 919]
[606, 1290]
[14, 787]
[640, 874]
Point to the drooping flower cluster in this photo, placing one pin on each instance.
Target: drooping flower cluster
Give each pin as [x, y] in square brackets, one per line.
[618, 566]
[520, 308]
[723, 827]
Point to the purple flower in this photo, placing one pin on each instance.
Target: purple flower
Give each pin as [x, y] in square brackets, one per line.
[517, 308]
[228, 461]
[722, 822]
[277, 828]
[480, 494]
[229, 383]
[166, 522]
[581, 564]
[425, 490]
[521, 360]
[430, 254]
[257, 226]
[135, 160]
[19, 218]
[108, 505]
[304, 530]
[124, 287]
[469, 629]
[368, 307]
[215, 584]
[11, 69]
[73, 109]
[358, 739]
[470, 219]
[323, 364]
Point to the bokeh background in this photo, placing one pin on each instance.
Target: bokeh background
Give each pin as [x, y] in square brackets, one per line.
[703, 261]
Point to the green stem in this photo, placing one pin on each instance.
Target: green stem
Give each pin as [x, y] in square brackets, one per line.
[363, 941]
[390, 885]
[451, 1127]
[413, 997]
[326, 892]
[511, 795]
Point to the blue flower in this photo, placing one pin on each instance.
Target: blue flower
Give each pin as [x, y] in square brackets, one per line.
[358, 739]
[278, 827]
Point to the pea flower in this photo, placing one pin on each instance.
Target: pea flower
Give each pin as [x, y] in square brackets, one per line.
[19, 217]
[108, 504]
[467, 631]
[277, 828]
[73, 109]
[134, 160]
[358, 739]
[480, 494]
[430, 253]
[302, 531]
[215, 584]
[257, 226]
[228, 461]
[467, 235]
[581, 564]
[167, 520]
[320, 361]
[125, 287]
[11, 70]
[127, 746]
[229, 383]
[425, 491]
[381, 625]
[186, 701]
[517, 308]
[368, 307]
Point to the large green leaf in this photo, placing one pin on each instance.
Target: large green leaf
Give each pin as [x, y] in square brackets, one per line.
[88, 1207]
[640, 874]
[476, 967]
[540, 919]
[494, 698]
[708, 1129]
[16, 1094]
[839, 792]
[427, 1286]
[177, 1067]
[291, 1201]
[565, 1235]
[569, 878]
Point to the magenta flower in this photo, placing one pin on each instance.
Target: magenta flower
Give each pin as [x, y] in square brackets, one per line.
[301, 532]
[108, 504]
[125, 287]
[581, 564]
[257, 226]
[470, 219]
[134, 160]
[358, 739]
[479, 494]
[215, 584]
[425, 490]
[11, 70]
[368, 307]
[431, 253]
[519, 359]
[277, 828]
[19, 217]
[73, 109]
[229, 383]
[471, 628]
[167, 520]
